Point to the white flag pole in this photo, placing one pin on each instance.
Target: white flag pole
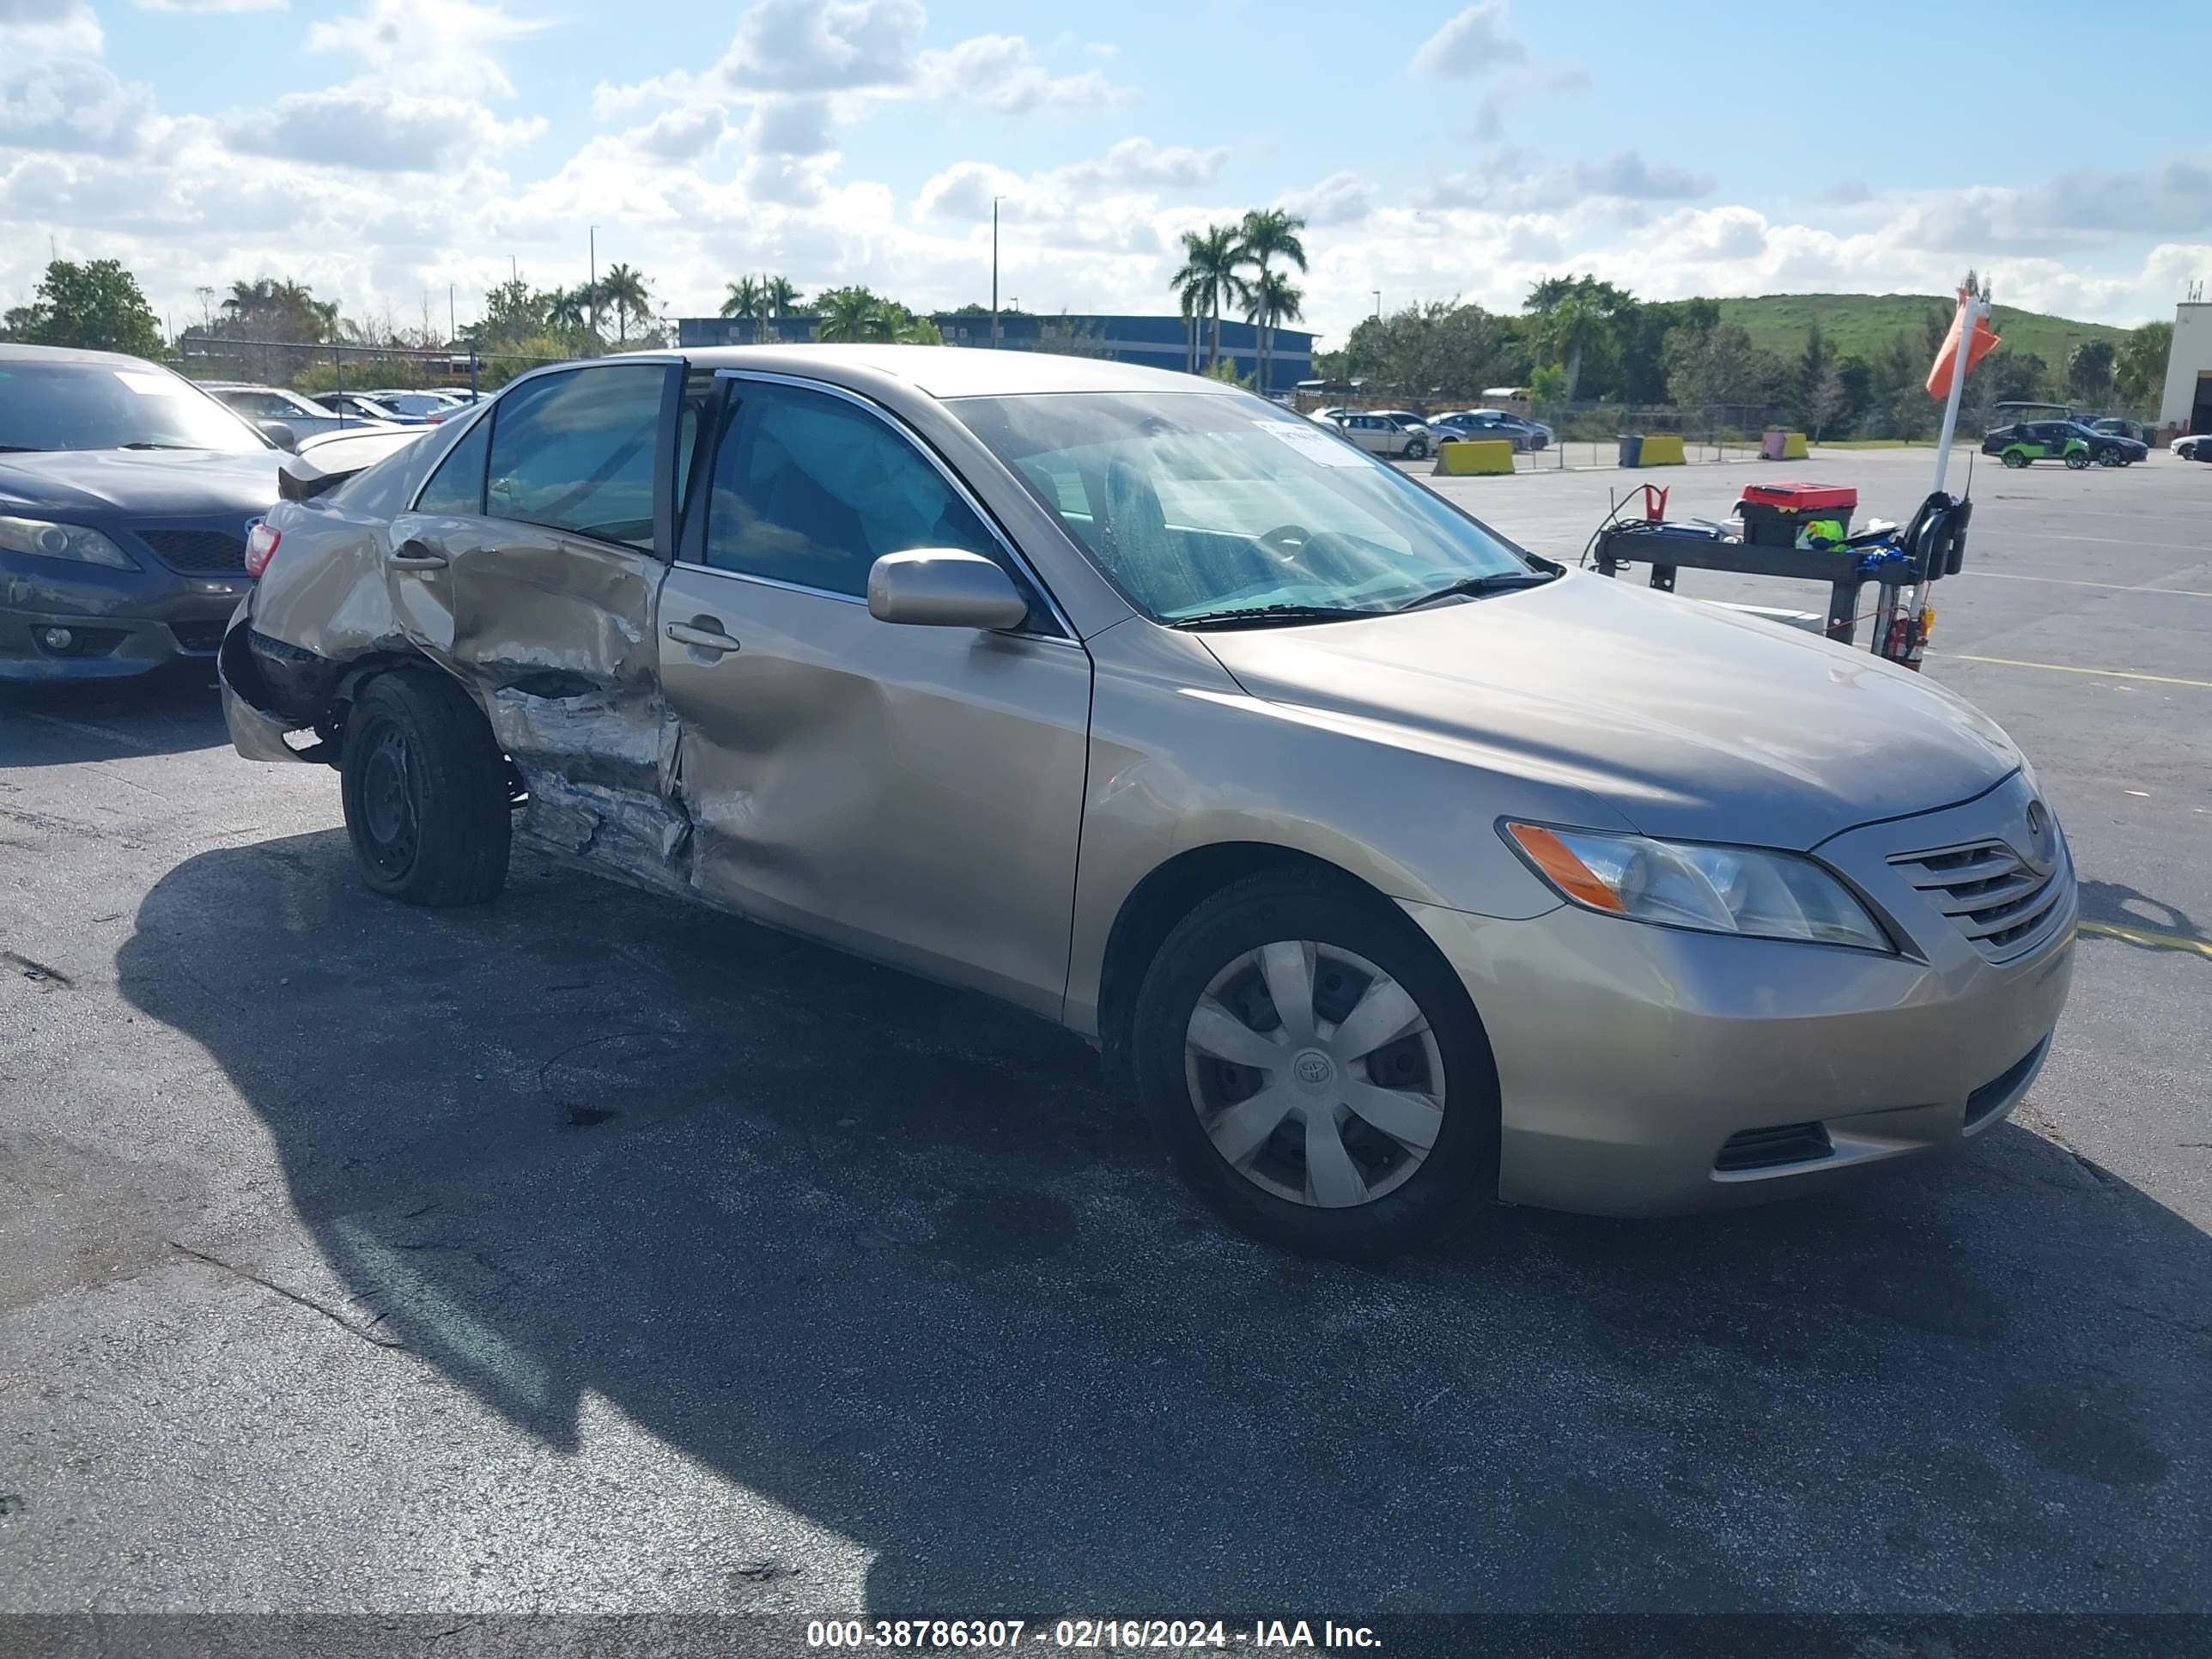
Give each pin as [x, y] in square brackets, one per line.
[1971, 310]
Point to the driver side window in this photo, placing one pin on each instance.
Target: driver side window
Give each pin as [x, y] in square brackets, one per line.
[811, 490]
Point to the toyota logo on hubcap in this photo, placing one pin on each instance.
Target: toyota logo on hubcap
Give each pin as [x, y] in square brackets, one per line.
[1313, 1069]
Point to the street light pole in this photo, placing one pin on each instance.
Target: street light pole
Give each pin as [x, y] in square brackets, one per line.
[995, 200]
[1378, 305]
[592, 293]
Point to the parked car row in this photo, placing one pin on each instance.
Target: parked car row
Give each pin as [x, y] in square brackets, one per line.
[1409, 434]
[328, 411]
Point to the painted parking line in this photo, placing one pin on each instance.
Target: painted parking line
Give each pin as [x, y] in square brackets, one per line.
[2069, 668]
[2115, 541]
[2076, 581]
[2145, 936]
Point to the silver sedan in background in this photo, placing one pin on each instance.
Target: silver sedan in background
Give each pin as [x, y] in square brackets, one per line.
[1396, 870]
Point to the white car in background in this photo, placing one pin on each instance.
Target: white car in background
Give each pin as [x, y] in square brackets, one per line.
[260, 404]
[2197, 446]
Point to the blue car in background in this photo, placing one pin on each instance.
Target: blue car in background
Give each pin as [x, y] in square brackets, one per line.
[125, 497]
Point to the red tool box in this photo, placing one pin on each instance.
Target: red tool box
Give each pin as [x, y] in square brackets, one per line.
[1773, 513]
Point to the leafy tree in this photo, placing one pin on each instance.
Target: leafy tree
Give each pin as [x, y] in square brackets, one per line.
[782, 297]
[1208, 279]
[2139, 370]
[1578, 320]
[1441, 348]
[2090, 370]
[1266, 236]
[746, 298]
[1823, 401]
[1722, 366]
[1548, 384]
[1570, 332]
[852, 314]
[95, 306]
[1225, 370]
[571, 308]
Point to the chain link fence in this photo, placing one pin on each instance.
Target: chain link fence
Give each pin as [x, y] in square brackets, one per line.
[314, 367]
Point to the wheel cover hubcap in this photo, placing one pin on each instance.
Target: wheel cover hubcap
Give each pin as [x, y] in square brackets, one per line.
[1314, 1074]
[387, 802]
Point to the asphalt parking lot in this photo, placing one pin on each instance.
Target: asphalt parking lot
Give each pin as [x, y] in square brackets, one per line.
[587, 1253]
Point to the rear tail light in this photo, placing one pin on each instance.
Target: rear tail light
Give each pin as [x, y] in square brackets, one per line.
[260, 547]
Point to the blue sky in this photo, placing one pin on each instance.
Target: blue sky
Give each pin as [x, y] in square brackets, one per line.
[382, 148]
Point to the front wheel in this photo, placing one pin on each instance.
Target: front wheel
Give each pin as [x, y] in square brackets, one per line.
[2013, 457]
[1316, 1071]
[2111, 458]
[1418, 450]
[425, 791]
[2077, 459]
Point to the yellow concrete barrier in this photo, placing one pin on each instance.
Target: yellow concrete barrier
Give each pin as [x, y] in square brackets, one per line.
[1460, 457]
[1663, 451]
[1793, 446]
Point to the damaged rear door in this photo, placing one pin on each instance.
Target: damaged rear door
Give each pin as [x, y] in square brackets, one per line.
[531, 565]
[911, 792]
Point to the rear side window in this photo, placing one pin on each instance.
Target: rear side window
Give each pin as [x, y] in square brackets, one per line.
[457, 487]
[576, 451]
[810, 490]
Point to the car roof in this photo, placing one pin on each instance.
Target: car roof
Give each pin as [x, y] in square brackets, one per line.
[70, 354]
[953, 371]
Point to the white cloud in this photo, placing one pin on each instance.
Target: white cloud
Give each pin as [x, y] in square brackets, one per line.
[72, 104]
[1068, 197]
[1472, 44]
[823, 46]
[1848, 192]
[681, 135]
[37, 31]
[1342, 199]
[444, 46]
[1508, 96]
[374, 129]
[1518, 181]
[213, 5]
[1000, 72]
[789, 126]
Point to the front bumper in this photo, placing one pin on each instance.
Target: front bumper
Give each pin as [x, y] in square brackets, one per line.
[1629, 1057]
[123, 622]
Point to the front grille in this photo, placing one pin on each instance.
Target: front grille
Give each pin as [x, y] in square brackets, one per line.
[197, 550]
[198, 636]
[1766, 1148]
[1999, 1091]
[1988, 891]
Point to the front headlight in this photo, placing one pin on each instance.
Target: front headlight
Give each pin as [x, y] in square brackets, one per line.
[63, 541]
[1716, 890]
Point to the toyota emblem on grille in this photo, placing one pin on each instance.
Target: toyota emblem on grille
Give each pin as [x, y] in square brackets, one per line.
[2040, 855]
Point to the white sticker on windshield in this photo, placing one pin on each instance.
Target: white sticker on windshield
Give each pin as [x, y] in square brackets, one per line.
[147, 385]
[1313, 443]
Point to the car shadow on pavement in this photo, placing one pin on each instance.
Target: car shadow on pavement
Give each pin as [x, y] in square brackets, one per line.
[892, 1257]
[165, 713]
[2117, 905]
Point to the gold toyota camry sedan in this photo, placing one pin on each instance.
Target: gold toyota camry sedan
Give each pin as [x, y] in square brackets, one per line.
[1397, 871]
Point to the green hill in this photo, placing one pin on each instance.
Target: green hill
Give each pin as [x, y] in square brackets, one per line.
[1866, 323]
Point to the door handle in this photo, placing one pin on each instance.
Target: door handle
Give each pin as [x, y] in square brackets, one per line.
[415, 556]
[704, 633]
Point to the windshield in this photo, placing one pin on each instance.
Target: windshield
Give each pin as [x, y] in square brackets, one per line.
[1196, 503]
[65, 405]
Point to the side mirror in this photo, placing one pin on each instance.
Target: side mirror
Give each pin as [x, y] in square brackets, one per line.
[280, 434]
[943, 588]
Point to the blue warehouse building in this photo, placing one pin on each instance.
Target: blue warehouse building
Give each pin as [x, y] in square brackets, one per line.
[1157, 342]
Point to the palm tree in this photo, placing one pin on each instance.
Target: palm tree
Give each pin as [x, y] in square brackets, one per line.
[1266, 236]
[1270, 299]
[1571, 327]
[1209, 278]
[854, 314]
[745, 298]
[782, 297]
[625, 290]
[569, 308]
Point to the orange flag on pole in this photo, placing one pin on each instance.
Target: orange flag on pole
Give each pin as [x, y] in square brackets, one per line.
[1985, 340]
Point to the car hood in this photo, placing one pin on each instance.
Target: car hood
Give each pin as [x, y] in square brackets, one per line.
[1689, 719]
[97, 483]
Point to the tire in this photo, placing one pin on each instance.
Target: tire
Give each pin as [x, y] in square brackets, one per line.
[2076, 459]
[2111, 458]
[2015, 458]
[425, 789]
[1418, 450]
[1348, 941]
